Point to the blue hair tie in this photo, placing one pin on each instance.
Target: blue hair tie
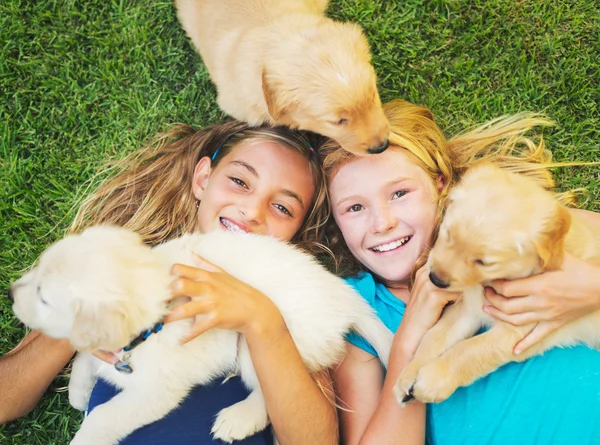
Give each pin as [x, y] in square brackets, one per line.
[212, 158]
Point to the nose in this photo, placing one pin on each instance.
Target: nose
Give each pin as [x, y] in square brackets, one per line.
[253, 211]
[380, 148]
[437, 281]
[10, 295]
[384, 220]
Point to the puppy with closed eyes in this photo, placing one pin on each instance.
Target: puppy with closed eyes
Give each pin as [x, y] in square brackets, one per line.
[497, 225]
[103, 288]
[283, 62]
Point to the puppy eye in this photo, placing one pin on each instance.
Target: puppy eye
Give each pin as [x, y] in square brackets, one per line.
[342, 122]
[480, 262]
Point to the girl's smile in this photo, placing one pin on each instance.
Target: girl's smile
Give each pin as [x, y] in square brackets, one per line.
[260, 187]
[388, 216]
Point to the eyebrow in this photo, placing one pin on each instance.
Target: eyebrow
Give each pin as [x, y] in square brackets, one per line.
[387, 184]
[246, 166]
[286, 192]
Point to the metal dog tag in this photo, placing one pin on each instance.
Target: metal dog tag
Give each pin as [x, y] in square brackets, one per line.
[123, 365]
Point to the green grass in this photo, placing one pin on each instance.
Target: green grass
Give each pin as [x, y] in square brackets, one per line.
[85, 82]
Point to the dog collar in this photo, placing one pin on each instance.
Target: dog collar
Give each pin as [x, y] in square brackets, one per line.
[123, 364]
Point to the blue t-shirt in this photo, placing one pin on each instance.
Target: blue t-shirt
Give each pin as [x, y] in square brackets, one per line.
[553, 399]
[191, 422]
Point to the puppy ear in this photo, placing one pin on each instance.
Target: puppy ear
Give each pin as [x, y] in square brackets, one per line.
[275, 110]
[99, 326]
[550, 245]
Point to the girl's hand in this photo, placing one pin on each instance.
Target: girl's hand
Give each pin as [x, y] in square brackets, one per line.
[423, 310]
[220, 300]
[551, 299]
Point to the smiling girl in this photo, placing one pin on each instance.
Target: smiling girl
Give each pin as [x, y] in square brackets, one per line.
[231, 177]
[387, 210]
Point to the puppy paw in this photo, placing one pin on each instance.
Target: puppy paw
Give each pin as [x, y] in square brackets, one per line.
[403, 390]
[434, 383]
[239, 421]
[79, 399]
[81, 439]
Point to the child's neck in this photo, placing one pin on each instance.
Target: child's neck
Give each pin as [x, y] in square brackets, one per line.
[399, 290]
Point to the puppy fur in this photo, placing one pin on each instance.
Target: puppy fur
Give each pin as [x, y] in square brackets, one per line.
[283, 62]
[102, 288]
[498, 225]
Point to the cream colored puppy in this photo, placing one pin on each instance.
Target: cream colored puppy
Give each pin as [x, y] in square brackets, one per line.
[283, 62]
[498, 225]
[102, 288]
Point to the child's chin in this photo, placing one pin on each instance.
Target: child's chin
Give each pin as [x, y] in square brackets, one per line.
[397, 275]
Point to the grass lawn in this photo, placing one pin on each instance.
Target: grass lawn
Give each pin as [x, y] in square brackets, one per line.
[83, 82]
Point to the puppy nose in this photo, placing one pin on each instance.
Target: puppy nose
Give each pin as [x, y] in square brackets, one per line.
[381, 148]
[10, 295]
[437, 281]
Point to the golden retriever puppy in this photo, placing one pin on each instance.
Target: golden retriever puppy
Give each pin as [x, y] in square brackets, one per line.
[283, 62]
[104, 289]
[498, 225]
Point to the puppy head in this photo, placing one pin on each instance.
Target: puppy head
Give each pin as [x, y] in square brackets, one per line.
[497, 225]
[322, 80]
[97, 289]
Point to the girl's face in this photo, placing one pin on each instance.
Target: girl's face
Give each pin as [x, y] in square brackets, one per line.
[258, 187]
[385, 206]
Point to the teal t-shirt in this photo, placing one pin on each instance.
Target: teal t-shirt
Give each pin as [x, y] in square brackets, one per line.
[553, 399]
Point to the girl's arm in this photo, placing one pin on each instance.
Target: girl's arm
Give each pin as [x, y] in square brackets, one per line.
[358, 381]
[299, 410]
[591, 217]
[376, 418]
[551, 299]
[27, 371]
[382, 420]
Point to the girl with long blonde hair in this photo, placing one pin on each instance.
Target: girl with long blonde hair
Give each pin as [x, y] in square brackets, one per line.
[264, 180]
[386, 212]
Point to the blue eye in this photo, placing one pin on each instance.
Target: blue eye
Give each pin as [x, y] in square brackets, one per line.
[355, 208]
[399, 194]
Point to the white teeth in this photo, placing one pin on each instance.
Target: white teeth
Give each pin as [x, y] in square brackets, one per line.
[391, 246]
[229, 226]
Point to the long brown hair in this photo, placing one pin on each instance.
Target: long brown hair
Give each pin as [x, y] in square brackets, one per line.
[504, 141]
[151, 193]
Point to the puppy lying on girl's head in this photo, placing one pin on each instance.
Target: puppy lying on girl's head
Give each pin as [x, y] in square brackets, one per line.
[497, 225]
[105, 290]
[283, 62]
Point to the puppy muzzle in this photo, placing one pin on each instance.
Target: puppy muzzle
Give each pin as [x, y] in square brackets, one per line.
[437, 281]
[379, 149]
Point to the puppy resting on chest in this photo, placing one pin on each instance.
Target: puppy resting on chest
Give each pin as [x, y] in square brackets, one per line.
[102, 288]
[283, 62]
[498, 225]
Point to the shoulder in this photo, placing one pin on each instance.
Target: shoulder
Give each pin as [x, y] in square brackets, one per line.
[365, 285]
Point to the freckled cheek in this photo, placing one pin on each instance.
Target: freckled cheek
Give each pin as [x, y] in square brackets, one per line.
[353, 232]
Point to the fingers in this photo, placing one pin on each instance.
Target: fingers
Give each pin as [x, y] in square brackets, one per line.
[186, 287]
[189, 272]
[196, 306]
[202, 325]
[107, 357]
[513, 305]
[421, 279]
[518, 288]
[519, 319]
[204, 264]
[541, 331]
